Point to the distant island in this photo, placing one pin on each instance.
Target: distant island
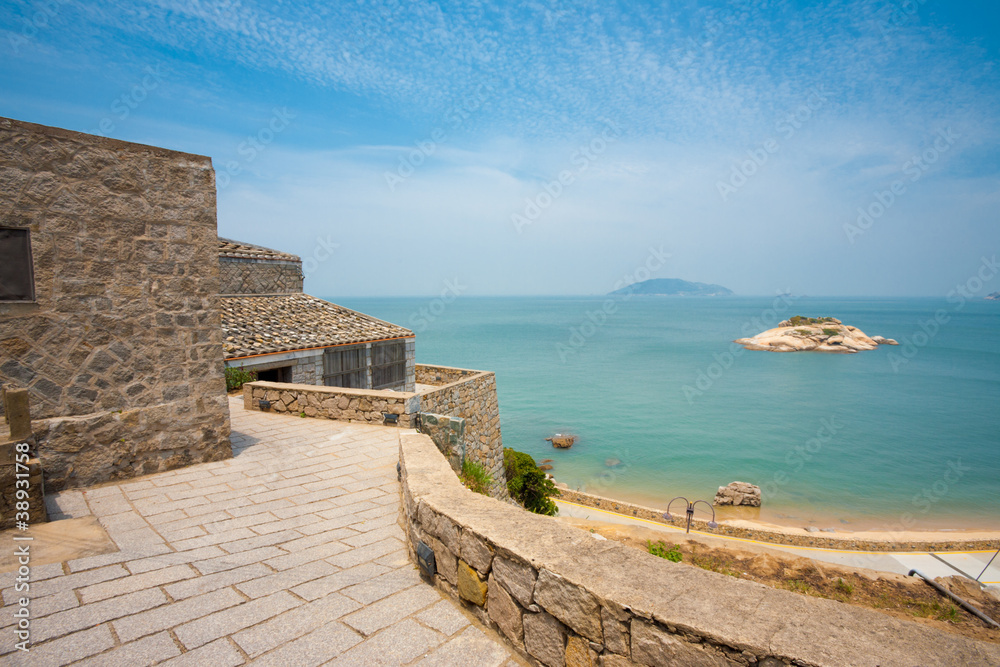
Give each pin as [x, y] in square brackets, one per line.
[672, 287]
[993, 297]
[813, 334]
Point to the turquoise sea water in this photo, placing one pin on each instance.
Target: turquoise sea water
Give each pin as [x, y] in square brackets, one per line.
[892, 438]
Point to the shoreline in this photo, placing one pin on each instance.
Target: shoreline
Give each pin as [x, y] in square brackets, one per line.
[863, 540]
[789, 515]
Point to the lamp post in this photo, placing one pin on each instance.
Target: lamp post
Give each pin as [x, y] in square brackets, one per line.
[690, 512]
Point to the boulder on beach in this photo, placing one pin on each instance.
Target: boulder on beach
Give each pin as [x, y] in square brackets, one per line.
[738, 493]
[814, 334]
[561, 441]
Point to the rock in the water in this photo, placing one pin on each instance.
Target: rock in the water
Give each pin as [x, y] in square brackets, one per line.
[738, 493]
[804, 334]
[611, 463]
[545, 466]
[546, 461]
[562, 441]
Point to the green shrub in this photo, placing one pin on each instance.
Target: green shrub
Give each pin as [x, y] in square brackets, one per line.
[237, 377]
[659, 548]
[527, 484]
[831, 332]
[475, 477]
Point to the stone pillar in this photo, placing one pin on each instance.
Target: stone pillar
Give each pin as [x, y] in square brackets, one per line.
[17, 413]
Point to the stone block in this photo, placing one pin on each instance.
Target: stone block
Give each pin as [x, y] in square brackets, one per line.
[654, 646]
[505, 612]
[545, 639]
[615, 625]
[471, 587]
[476, 552]
[571, 604]
[578, 652]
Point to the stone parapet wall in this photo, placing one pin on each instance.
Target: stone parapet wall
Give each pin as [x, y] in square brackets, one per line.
[563, 598]
[364, 406]
[473, 397]
[126, 313]
[792, 536]
[439, 375]
[256, 276]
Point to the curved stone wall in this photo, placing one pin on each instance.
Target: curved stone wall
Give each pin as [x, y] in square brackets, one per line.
[563, 598]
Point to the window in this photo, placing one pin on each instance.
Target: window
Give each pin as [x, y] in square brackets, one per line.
[282, 374]
[388, 365]
[344, 367]
[17, 282]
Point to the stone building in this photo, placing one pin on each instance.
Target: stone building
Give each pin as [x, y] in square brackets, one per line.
[271, 327]
[109, 303]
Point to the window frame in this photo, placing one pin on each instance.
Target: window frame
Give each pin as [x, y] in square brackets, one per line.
[356, 375]
[29, 267]
[394, 368]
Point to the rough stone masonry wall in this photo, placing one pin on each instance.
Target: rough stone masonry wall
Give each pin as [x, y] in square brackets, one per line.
[563, 598]
[122, 350]
[471, 395]
[255, 276]
[363, 406]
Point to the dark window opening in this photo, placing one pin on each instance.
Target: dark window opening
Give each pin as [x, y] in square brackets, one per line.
[388, 365]
[283, 374]
[17, 281]
[344, 367]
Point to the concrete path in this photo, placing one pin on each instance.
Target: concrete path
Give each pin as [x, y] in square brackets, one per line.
[287, 554]
[939, 564]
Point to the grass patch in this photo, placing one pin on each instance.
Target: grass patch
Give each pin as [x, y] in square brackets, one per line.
[663, 550]
[475, 478]
[844, 587]
[831, 332]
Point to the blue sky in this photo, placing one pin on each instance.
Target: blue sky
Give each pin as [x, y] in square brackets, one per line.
[841, 148]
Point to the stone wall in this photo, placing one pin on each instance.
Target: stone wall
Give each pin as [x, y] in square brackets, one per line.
[122, 349]
[563, 598]
[439, 375]
[363, 406]
[257, 276]
[473, 397]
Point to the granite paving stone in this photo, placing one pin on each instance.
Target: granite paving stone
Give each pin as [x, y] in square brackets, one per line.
[287, 554]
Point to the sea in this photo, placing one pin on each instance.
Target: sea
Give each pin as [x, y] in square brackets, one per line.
[665, 405]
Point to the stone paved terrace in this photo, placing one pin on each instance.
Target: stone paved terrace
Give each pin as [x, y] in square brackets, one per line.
[287, 554]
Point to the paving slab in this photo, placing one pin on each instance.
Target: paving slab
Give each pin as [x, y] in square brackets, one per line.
[287, 554]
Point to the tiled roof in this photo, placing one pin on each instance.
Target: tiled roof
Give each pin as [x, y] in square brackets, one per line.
[286, 322]
[241, 250]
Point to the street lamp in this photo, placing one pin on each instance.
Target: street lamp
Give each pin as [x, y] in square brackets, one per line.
[690, 512]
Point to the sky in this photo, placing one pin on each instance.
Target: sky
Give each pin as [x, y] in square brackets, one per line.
[551, 148]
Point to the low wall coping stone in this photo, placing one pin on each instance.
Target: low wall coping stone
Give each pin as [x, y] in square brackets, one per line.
[721, 610]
